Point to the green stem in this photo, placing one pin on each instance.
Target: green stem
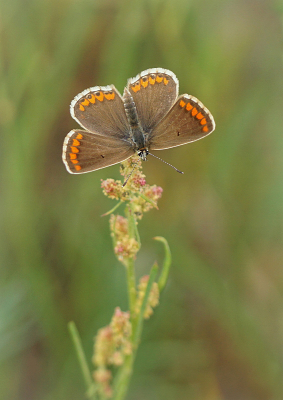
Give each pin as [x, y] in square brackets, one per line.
[130, 263]
[123, 378]
[131, 279]
[134, 225]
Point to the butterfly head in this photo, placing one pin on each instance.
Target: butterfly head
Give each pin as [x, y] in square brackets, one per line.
[142, 153]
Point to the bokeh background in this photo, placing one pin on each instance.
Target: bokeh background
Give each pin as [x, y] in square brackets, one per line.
[218, 332]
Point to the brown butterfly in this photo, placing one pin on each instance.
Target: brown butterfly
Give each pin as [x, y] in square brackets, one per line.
[149, 116]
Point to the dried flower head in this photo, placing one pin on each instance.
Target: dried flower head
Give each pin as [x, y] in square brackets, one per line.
[104, 347]
[153, 298]
[118, 225]
[103, 377]
[124, 246]
[121, 328]
[112, 345]
[137, 192]
[113, 338]
[111, 188]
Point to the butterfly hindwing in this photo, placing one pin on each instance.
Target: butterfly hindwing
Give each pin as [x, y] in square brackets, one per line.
[85, 151]
[187, 121]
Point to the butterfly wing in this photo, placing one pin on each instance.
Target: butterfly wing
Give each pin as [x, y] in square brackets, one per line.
[100, 109]
[85, 151]
[187, 121]
[154, 91]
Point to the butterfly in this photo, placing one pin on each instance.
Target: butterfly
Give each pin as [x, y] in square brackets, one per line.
[149, 116]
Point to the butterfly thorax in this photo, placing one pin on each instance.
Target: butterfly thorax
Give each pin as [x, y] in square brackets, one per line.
[137, 134]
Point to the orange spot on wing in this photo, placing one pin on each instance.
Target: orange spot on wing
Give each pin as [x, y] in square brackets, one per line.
[194, 111]
[182, 103]
[100, 96]
[166, 81]
[92, 99]
[199, 116]
[78, 168]
[159, 79]
[74, 149]
[136, 87]
[151, 80]
[73, 156]
[203, 121]
[74, 161]
[76, 142]
[110, 96]
[205, 128]
[81, 108]
[144, 83]
[85, 102]
[189, 107]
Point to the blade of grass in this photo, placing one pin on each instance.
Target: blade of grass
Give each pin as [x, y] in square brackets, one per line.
[82, 360]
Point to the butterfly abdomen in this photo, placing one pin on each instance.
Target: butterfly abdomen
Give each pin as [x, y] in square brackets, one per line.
[137, 133]
[130, 108]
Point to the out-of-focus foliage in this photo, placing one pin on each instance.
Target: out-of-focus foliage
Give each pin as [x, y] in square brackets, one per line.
[218, 331]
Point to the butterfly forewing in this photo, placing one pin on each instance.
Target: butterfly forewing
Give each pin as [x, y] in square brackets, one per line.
[101, 110]
[187, 121]
[84, 151]
[154, 91]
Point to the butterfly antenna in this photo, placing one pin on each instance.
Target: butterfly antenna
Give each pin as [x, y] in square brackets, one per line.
[166, 163]
[130, 174]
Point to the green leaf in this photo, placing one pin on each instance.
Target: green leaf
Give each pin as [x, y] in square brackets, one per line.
[112, 209]
[166, 264]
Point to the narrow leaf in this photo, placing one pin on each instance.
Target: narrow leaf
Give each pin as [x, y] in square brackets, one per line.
[166, 264]
[112, 209]
[82, 360]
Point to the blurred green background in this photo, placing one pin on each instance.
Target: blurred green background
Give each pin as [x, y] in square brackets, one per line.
[218, 332]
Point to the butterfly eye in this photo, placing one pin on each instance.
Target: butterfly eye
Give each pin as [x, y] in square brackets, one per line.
[89, 96]
[144, 78]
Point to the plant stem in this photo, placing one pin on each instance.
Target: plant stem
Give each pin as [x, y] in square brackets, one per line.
[131, 279]
[123, 379]
[125, 373]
